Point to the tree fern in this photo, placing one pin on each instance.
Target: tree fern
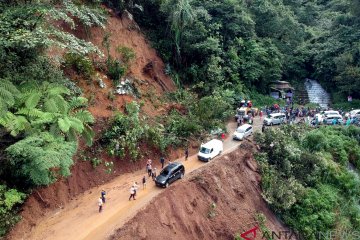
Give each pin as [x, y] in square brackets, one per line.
[42, 157]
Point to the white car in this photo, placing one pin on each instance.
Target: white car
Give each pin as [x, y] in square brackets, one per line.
[210, 150]
[355, 113]
[331, 112]
[275, 118]
[243, 132]
[329, 119]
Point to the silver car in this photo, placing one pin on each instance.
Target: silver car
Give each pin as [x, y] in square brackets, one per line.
[275, 118]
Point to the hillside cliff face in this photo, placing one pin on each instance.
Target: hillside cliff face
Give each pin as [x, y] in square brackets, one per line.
[146, 71]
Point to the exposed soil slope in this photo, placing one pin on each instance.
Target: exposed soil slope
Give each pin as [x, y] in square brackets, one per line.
[83, 176]
[146, 70]
[182, 212]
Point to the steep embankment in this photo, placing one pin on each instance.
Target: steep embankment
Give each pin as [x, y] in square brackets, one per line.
[147, 72]
[214, 202]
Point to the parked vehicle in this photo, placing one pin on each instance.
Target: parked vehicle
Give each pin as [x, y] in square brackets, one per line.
[244, 112]
[329, 119]
[355, 113]
[210, 150]
[170, 174]
[275, 118]
[243, 132]
[331, 112]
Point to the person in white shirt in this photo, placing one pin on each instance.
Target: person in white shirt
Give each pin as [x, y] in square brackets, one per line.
[132, 193]
[100, 203]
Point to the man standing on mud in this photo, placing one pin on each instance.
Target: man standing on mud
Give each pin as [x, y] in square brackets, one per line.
[162, 161]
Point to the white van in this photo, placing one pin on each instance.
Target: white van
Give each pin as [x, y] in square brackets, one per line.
[210, 150]
[243, 132]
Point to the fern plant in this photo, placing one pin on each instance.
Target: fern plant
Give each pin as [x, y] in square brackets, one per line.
[46, 107]
[42, 157]
[8, 95]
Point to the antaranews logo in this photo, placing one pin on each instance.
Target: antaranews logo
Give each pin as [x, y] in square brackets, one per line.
[255, 234]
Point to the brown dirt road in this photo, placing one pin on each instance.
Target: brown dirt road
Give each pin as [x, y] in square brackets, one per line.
[80, 218]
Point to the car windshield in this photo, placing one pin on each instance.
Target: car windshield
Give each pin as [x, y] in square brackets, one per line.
[165, 172]
[204, 150]
[239, 130]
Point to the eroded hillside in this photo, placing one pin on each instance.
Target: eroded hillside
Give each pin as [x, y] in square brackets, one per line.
[218, 201]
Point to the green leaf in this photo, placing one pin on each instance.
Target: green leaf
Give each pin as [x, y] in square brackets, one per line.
[64, 124]
[33, 100]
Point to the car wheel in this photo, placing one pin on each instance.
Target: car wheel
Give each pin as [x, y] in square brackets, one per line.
[220, 153]
[181, 175]
[209, 159]
[166, 184]
[271, 124]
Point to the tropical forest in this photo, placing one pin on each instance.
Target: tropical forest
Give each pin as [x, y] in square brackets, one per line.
[94, 91]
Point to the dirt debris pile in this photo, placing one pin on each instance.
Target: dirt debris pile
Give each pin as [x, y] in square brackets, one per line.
[215, 202]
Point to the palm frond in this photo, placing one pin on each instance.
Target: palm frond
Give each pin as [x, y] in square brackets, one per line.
[50, 105]
[7, 97]
[61, 103]
[71, 135]
[76, 124]
[77, 102]
[88, 134]
[64, 124]
[33, 112]
[14, 124]
[58, 90]
[8, 86]
[84, 116]
[33, 100]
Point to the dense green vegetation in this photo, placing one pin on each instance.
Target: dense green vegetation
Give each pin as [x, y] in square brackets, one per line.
[223, 50]
[42, 113]
[306, 179]
[192, 119]
[227, 43]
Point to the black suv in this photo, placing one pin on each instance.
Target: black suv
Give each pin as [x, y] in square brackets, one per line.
[170, 174]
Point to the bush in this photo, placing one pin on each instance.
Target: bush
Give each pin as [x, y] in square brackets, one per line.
[82, 65]
[305, 177]
[127, 54]
[347, 106]
[115, 70]
[9, 200]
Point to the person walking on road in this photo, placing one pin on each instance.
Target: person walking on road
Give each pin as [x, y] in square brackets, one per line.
[100, 203]
[153, 174]
[222, 136]
[238, 121]
[162, 161]
[149, 168]
[103, 194]
[144, 182]
[135, 187]
[186, 153]
[132, 193]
